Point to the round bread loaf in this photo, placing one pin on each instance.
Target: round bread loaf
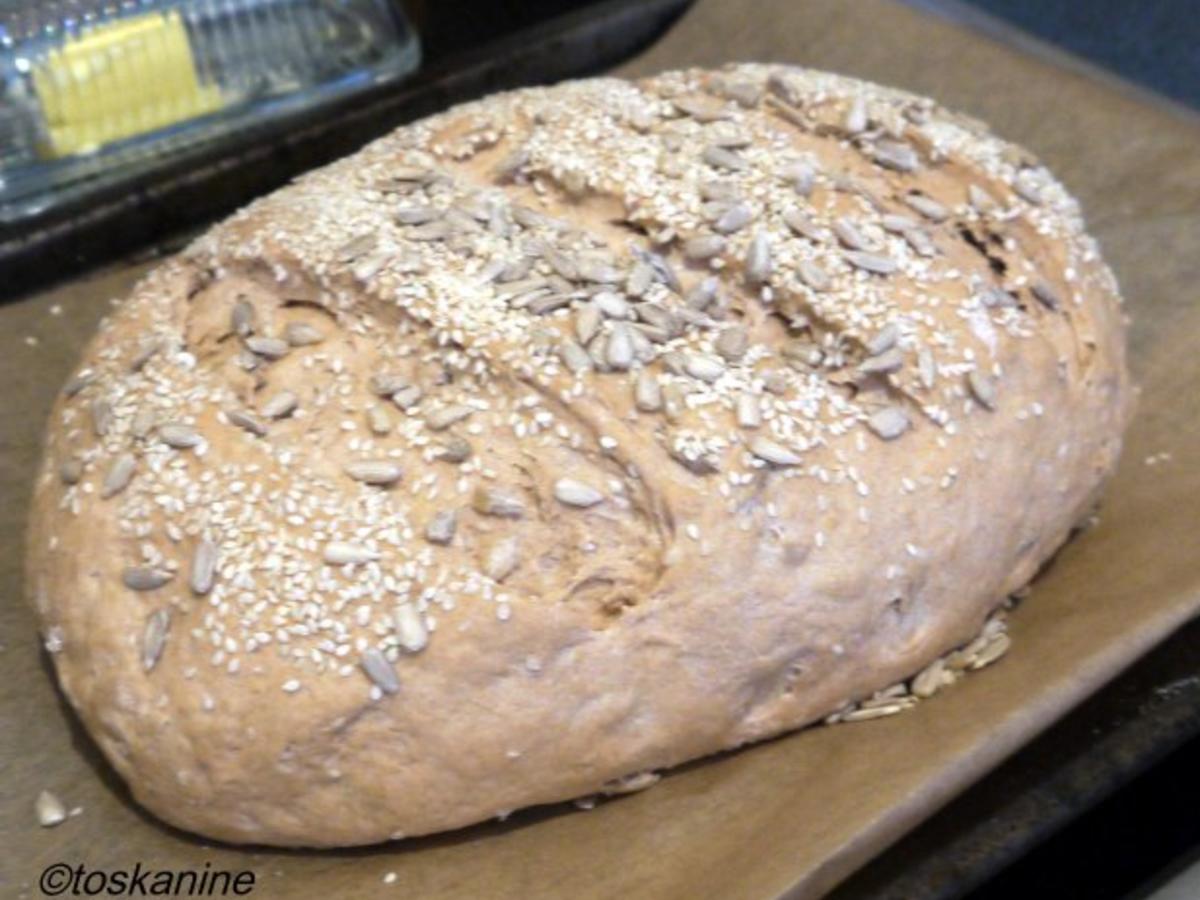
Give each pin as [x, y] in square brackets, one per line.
[563, 437]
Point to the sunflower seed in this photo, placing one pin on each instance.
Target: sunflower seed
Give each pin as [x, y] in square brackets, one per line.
[647, 392]
[430, 232]
[850, 236]
[705, 368]
[630, 784]
[800, 176]
[145, 578]
[370, 266]
[587, 323]
[102, 417]
[408, 397]
[143, 422]
[301, 334]
[50, 810]
[980, 199]
[744, 93]
[889, 423]
[455, 450]
[885, 363]
[749, 415]
[732, 342]
[784, 88]
[884, 339]
[119, 474]
[570, 492]
[179, 436]
[356, 247]
[562, 264]
[599, 271]
[735, 218]
[991, 652]
[775, 381]
[515, 270]
[378, 472]
[378, 421]
[492, 501]
[246, 422]
[698, 461]
[154, 637]
[417, 215]
[813, 275]
[203, 571]
[441, 419]
[611, 305]
[856, 116]
[801, 224]
[641, 276]
[548, 303]
[660, 317]
[982, 387]
[78, 383]
[146, 351]
[774, 453]
[440, 529]
[920, 241]
[267, 347]
[1045, 295]
[280, 405]
[927, 207]
[704, 246]
[926, 367]
[381, 672]
[663, 269]
[242, 318]
[929, 680]
[501, 559]
[674, 400]
[340, 553]
[713, 210]
[702, 109]
[897, 224]
[803, 352]
[996, 298]
[896, 155]
[717, 190]
[876, 263]
[574, 357]
[722, 158]
[71, 470]
[511, 165]
[411, 174]
[874, 712]
[410, 628]
[758, 258]
[618, 352]
[384, 384]
[702, 294]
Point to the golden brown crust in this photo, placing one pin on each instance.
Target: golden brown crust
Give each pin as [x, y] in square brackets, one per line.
[442, 483]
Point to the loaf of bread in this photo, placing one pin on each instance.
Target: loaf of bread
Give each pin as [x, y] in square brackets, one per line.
[563, 437]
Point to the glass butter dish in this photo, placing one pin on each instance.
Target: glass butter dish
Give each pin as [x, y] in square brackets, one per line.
[95, 92]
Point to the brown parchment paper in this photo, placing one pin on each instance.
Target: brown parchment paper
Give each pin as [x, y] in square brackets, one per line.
[793, 816]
